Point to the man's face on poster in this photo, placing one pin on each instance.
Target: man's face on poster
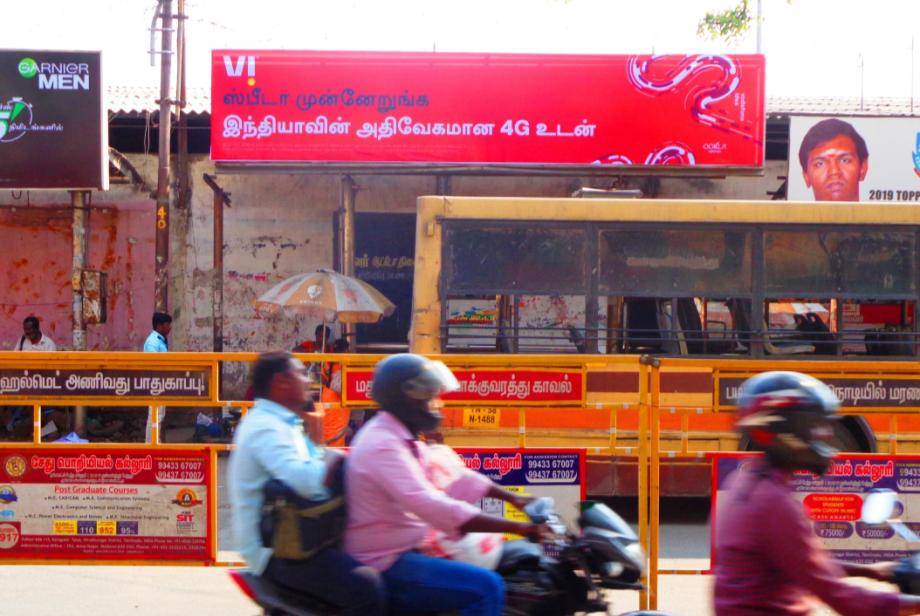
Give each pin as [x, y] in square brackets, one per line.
[834, 170]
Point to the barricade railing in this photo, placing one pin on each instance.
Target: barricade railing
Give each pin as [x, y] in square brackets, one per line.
[865, 388]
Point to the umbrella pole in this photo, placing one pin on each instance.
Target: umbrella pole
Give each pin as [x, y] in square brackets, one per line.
[322, 364]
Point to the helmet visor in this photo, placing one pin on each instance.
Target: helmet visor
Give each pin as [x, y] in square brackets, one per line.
[434, 380]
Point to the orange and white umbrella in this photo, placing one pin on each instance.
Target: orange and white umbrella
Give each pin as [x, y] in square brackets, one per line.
[326, 295]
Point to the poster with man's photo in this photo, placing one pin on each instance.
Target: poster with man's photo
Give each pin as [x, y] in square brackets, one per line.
[854, 159]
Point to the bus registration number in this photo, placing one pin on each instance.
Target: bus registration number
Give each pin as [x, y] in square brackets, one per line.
[481, 418]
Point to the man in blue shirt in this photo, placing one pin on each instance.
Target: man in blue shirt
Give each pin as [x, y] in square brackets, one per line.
[156, 341]
[271, 444]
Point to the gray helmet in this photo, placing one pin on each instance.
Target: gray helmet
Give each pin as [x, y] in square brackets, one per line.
[783, 414]
[405, 384]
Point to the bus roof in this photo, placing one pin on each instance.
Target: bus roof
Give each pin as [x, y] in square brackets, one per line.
[668, 210]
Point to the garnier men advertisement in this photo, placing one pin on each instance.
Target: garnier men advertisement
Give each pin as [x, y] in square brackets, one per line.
[52, 130]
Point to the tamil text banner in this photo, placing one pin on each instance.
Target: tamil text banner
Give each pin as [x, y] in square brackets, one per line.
[381, 107]
[113, 503]
[854, 159]
[102, 383]
[494, 386]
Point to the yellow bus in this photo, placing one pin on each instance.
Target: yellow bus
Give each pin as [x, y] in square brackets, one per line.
[714, 280]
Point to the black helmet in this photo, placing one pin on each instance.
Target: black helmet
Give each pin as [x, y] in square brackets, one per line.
[787, 415]
[405, 384]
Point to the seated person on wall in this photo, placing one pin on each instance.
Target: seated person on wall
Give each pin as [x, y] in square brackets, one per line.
[271, 444]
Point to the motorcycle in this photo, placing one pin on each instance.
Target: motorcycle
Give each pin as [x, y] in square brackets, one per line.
[562, 577]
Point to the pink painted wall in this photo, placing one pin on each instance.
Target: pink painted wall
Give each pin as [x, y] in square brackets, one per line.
[35, 269]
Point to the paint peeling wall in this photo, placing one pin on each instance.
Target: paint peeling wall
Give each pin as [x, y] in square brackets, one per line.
[35, 270]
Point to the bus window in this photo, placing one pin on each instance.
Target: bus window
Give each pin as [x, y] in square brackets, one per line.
[551, 323]
[472, 323]
[504, 259]
[674, 262]
[806, 322]
[803, 263]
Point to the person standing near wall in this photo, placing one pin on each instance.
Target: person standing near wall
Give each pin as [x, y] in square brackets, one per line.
[156, 343]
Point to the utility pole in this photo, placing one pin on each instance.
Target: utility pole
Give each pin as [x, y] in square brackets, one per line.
[759, 25]
[161, 266]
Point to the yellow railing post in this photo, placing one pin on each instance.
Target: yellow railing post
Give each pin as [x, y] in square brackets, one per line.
[643, 470]
[37, 424]
[522, 428]
[154, 425]
[654, 483]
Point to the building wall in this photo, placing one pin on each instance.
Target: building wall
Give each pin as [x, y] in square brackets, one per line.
[35, 271]
[277, 226]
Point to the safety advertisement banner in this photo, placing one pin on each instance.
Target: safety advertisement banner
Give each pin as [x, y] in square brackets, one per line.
[494, 386]
[854, 159]
[120, 503]
[834, 501]
[557, 473]
[462, 108]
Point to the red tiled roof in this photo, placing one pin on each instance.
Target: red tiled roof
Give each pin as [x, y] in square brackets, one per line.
[135, 100]
[883, 106]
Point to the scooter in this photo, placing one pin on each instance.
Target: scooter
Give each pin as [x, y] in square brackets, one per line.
[603, 554]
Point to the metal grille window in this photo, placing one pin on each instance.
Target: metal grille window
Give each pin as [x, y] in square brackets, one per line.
[508, 258]
[835, 263]
[671, 263]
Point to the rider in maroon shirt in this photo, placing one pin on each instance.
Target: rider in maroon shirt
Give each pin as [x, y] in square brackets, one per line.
[769, 559]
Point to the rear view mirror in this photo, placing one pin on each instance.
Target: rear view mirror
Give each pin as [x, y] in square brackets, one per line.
[879, 506]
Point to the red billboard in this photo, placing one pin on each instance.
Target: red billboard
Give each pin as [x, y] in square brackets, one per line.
[487, 109]
[494, 386]
[117, 503]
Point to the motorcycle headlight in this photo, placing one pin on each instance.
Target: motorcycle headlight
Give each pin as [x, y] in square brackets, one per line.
[635, 552]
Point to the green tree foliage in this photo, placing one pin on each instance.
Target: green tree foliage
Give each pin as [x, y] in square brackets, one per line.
[728, 25]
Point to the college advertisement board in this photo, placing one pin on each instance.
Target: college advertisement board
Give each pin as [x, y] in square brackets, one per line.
[834, 501]
[462, 108]
[854, 159]
[557, 473]
[112, 503]
[53, 129]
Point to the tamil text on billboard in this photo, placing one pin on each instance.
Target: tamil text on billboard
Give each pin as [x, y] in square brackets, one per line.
[52, 129]
[376, 107]
[854, 159]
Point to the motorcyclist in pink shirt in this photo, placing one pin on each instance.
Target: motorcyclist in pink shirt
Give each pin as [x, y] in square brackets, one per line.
[768, 558]
[392, 504]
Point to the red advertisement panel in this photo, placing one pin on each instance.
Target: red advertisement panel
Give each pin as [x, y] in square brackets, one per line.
[117, 503]
[381, 107]
[492, 386]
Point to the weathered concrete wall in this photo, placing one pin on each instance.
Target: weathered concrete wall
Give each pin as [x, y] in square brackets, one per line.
[35, 269]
